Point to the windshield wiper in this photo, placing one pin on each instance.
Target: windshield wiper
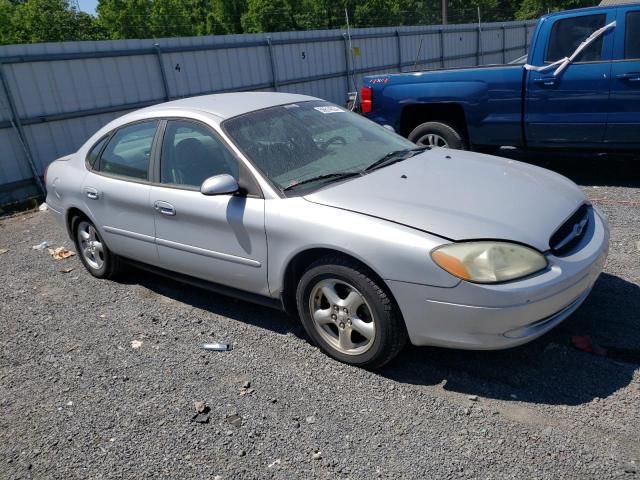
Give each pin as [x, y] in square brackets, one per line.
[327, 176]
[395, 156]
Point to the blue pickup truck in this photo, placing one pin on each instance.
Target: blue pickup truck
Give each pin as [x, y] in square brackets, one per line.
[579, 87]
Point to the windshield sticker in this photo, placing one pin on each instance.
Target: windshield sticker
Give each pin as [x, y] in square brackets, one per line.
[292, 105]
[329, 109]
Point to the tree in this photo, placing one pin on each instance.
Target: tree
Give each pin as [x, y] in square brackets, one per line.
[377, 13]
[46, 21]
[535, 8]
[171, 18]
[227, 15]
[6, 26]
[125, 18]
[268, 16]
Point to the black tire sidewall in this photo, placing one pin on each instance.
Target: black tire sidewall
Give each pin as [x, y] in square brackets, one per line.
[381, 313]
[453, 138]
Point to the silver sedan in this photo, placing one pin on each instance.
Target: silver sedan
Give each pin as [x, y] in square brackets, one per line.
[296, 203]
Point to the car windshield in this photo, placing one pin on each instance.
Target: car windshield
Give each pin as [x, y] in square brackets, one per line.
[311, 143]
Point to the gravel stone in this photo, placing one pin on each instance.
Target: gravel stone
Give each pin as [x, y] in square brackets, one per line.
[540, 417]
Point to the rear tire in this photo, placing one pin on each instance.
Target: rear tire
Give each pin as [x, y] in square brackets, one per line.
[438, 134]
[93, 252]
[348, 313]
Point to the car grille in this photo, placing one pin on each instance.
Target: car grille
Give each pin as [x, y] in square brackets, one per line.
[565, 239]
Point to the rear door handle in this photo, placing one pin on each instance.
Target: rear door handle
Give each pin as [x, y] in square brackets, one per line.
[629, 77]
[92, 193]
[164, 208]
[546, 81]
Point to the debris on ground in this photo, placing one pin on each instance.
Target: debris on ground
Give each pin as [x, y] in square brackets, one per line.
[43, 207]
[135, 344]
[201, 407]
[3, 250]
[317, 456]
[234, 419]
[41, 246]
[217, 347]
[277, 461]
[310, 419]
[61, 253]
[246, 391]
[200, 418]
[584, 343]
[67, 270]
[473, 398]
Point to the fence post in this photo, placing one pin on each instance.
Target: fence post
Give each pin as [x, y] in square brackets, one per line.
[17, 125]
[163, 74]
[346, 60]
[441, 33]
[399, 51]
[478, 41]
[272, 62]
[504, 44]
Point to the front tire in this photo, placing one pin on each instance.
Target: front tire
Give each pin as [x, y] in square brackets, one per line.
[93, 252]
[348, 313]
[437, 134]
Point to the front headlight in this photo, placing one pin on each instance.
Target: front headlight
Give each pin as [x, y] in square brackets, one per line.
[488, 261]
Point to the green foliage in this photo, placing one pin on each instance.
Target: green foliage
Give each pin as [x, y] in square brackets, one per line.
[27, 21]
[535, 8]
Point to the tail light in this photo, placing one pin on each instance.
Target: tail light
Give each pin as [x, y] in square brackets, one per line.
[366, 102]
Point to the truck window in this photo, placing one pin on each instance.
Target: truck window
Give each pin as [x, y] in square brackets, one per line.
[568, 33]
[632, 35]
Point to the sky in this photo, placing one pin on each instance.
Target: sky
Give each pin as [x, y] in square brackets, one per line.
[88, 6]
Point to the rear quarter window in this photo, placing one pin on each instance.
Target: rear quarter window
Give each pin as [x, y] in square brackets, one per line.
[94, 153]
[632, 35]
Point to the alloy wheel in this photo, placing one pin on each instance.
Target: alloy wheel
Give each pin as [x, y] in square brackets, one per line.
[342, 316]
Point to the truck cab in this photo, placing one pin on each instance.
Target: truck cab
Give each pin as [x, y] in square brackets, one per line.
[592, 102]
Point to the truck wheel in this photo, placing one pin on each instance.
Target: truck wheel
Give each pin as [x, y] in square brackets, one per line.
[437, 134]
[348, 313]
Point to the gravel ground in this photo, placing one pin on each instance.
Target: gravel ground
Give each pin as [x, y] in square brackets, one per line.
[98, 379]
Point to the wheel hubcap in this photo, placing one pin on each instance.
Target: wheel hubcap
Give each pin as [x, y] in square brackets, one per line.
[433, 140]
[90, 245]
[342, 316]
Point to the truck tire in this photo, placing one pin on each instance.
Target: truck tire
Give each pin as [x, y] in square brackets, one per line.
[437, 134]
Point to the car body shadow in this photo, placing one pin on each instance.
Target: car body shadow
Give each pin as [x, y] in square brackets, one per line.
[603, 169]
[236, 309]
[549, 370]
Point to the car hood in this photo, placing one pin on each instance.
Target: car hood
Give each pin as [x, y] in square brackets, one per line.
[462, 195]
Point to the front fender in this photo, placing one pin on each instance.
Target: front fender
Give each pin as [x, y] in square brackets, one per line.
[392, 251]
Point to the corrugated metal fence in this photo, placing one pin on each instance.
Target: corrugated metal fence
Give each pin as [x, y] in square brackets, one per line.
[53, 96]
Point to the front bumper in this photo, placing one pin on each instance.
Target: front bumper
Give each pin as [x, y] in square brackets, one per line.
[489, 317]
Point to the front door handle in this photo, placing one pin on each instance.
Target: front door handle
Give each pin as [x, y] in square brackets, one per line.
[164, 208]
[629, 77]
[91, 193]
[546, 81]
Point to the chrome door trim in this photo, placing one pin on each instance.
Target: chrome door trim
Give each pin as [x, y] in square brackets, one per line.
[208, 253]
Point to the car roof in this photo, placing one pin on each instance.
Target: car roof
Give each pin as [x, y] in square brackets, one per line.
[227, 105]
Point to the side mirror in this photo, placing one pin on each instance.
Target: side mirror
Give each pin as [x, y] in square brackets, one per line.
[219, 185]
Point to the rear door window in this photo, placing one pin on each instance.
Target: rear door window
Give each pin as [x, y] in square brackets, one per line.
[632, 36]
[128, 152]
[568, 33]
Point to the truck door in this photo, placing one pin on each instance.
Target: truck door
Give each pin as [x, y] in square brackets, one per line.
[623, 126]
[569, 109]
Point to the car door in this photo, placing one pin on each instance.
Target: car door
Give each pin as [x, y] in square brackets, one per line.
[116, 190]
[569, 109]
[217, 238]
[623, 126]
